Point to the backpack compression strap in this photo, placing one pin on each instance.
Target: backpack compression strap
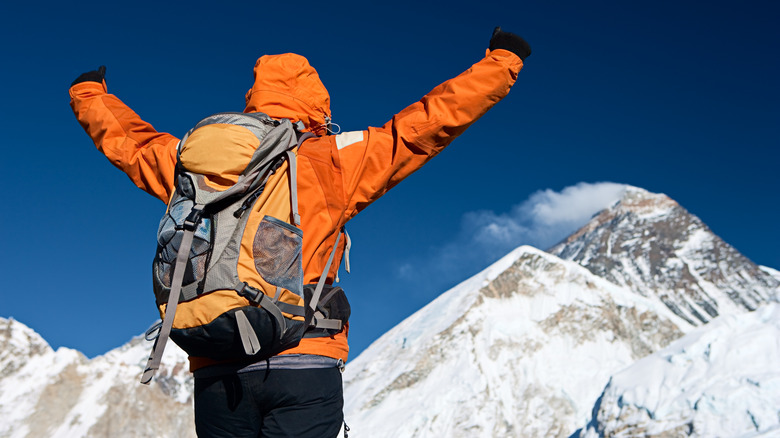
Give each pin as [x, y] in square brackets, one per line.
[190, 224]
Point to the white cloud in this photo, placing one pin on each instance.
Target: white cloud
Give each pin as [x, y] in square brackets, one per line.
[574, 204]
[542, 220]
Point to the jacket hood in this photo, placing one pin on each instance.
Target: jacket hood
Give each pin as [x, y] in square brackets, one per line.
[286, 86]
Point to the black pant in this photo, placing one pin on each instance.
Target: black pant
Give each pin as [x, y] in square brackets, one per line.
[270, 403]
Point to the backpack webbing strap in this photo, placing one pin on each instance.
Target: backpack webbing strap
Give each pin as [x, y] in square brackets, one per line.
[327, 297]
[258, 298]
[346, 250]
[319, 315]
[291, 309]
[328, 324]
[190, 224]
[293, 171]
[315, 297]
[248, 336]
[294, 188]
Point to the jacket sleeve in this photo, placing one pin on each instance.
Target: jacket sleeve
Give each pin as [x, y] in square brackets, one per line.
[148, 157]
[375, 160]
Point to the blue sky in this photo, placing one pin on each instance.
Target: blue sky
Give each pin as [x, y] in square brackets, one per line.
[676, 97]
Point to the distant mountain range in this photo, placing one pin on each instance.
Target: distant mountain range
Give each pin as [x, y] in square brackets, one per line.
[46, 393]
[641, 323]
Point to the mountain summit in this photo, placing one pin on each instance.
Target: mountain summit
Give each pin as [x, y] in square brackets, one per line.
[526, 347]
[605, 334]
[653, 246]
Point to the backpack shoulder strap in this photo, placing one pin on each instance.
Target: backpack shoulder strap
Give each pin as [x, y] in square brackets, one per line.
[293, 166]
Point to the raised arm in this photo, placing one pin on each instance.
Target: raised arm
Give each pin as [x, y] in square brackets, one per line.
[148, 157]
[375, 160]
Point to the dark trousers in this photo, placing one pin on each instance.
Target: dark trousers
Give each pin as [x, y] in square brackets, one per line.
[273, 403]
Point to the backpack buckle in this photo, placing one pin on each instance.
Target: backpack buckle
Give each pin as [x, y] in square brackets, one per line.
[191, 223]
[250, 293]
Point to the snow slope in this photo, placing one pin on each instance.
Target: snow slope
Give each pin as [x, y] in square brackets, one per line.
[522, 350]
[53, 394]
[526, 347]
[642, 323]
[720, 380]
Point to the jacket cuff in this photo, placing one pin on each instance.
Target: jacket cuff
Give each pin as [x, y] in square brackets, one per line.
[506, 56]
[85, 89]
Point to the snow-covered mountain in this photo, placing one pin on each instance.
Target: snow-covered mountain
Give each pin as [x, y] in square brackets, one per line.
[721, 380]
[522, 349]
[525, 348]
[47, 393]
[603, 335]
[652, 245]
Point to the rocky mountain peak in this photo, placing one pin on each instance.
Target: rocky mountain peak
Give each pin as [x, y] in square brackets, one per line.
[652, 245]
[641, 201]
[18, 343]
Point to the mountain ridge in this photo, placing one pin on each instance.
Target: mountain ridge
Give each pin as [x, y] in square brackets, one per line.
[536, 324]
[62, 393]
[530, 346]
[681, 261]
[557, 311]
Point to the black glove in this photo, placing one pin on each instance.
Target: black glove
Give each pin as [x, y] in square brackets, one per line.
[511, 42]
[91, 76]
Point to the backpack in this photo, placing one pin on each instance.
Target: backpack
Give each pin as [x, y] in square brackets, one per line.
[227, 274]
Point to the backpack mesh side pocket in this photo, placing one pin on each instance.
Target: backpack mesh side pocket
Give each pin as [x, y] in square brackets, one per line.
[277, 254]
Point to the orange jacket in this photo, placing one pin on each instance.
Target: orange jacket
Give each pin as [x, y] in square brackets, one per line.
[338, 175]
